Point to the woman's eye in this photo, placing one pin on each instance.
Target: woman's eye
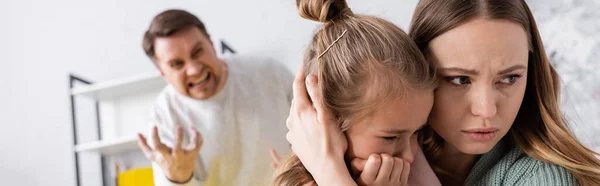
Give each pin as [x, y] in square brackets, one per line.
[459, 80]
[510, 79]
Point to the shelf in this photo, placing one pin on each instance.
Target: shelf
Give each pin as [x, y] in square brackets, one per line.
[121, 87]
[105, 147]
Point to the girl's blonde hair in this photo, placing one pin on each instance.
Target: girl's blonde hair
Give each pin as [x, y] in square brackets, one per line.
[539, 129]
[362, 62]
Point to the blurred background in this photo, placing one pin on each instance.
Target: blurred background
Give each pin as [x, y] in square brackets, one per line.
[47, 45]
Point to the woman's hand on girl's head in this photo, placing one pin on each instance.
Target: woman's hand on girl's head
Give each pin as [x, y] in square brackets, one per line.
[381, 170]
[315, 136]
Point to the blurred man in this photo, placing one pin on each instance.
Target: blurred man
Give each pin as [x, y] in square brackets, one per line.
[216, 120]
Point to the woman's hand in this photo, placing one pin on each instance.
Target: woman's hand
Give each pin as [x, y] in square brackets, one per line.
[315, 135]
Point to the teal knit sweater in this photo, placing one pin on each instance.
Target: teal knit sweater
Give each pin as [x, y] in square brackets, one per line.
[507, 165]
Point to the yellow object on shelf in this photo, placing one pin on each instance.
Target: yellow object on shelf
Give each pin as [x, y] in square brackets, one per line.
[136, 177]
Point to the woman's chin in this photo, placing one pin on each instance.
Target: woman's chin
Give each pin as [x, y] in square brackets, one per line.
[476, 148]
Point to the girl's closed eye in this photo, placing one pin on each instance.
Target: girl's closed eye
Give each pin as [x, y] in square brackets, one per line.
[389, 138]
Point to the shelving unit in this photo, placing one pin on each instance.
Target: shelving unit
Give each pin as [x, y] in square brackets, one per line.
[120, 87]
[112, 91]
[109, 147]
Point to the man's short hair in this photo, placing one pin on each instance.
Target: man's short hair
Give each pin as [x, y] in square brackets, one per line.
[168, 23]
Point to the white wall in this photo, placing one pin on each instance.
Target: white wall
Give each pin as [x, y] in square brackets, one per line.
[570, 30]
[41, 42]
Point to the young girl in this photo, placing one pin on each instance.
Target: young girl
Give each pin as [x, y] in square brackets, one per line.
[378, 87]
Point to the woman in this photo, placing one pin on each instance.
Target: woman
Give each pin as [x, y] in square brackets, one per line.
[376, 83]
[496, 117]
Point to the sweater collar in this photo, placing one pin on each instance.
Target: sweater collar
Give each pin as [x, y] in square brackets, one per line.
[489, 159]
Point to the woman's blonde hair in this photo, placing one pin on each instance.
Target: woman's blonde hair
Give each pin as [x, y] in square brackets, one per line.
[539, 129]
[361, 62]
